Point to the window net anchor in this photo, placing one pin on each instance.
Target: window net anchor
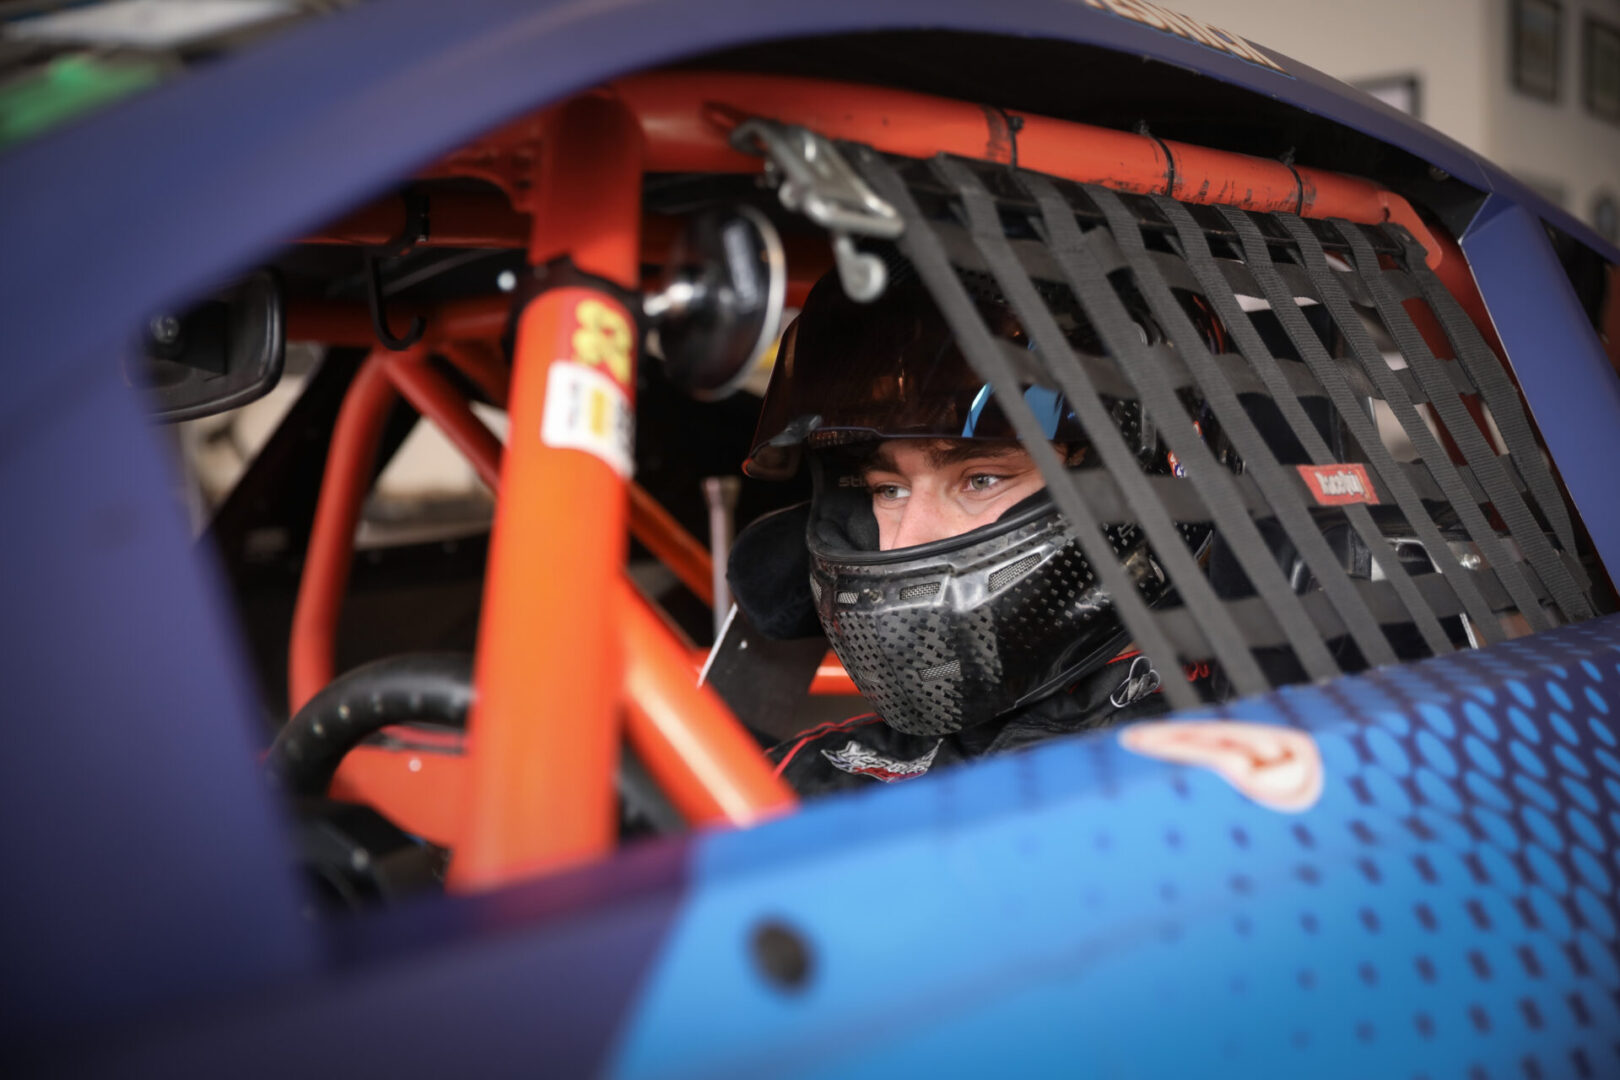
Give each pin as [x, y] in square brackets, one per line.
[813, 178]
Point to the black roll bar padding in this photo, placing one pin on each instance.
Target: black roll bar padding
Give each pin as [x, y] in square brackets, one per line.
[433, 687]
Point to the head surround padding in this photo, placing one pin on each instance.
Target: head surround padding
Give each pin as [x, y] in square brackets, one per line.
[769, 574]
[841, 506]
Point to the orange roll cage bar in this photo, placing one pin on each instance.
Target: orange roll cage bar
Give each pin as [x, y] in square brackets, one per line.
[709, 766]
[567, 647]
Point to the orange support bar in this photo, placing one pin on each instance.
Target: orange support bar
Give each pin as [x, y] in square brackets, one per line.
[711, 769]
[672, 545]
[421, 792]
[481, 362]
[704, 761]
[543, 735]
[432, 395]
[701, 757]
[687, 117]
[311, 651]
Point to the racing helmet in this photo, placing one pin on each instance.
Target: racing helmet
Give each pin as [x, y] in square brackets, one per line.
[949, 634]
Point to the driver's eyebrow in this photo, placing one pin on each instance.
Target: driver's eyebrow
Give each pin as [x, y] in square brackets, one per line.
[879, 461]
[945, 453]
[941, 455]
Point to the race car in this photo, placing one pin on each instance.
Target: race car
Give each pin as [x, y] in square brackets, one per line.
[278, 808]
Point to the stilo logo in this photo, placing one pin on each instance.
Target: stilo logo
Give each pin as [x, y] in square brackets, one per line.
[1335, 485]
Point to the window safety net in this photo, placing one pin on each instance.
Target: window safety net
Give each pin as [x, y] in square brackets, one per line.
[1329, 465]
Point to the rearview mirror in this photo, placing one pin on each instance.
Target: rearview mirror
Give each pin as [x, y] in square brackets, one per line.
[224, 352]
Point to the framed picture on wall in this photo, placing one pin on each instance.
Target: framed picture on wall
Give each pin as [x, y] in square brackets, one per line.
[1606, 216]
[1403, 92]
[1600, 68]
[1536, 36]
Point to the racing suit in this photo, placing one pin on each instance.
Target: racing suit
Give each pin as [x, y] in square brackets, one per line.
[863, 749]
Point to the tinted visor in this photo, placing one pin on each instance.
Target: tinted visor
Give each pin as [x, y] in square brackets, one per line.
[851, 372]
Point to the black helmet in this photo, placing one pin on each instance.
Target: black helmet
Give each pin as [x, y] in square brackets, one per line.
[952, 633]
[850, 372]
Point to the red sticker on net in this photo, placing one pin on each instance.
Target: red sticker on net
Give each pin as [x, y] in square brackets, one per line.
[1335, 485]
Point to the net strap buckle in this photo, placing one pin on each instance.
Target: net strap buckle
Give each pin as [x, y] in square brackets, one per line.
[813, 178]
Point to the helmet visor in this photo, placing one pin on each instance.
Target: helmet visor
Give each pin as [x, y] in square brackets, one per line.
[851, 372]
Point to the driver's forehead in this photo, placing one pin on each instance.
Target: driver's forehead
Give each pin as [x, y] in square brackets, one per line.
[906, 455]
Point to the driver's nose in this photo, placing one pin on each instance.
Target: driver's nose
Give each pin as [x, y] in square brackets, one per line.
[925, 519]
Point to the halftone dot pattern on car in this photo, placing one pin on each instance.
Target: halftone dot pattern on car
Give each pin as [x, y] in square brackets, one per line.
[1448, 906]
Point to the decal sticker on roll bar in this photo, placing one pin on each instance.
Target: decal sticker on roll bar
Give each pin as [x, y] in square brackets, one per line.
[586, 410]
[587, 402]
[602, 338]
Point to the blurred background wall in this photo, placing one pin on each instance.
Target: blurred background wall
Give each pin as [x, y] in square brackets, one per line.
[1533, 85]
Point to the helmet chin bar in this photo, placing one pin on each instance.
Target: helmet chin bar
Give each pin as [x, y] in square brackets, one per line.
[947, 635]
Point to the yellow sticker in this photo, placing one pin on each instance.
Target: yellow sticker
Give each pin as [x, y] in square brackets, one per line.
[603, 338]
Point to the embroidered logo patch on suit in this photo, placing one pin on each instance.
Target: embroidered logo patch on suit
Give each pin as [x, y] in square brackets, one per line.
[858, 759]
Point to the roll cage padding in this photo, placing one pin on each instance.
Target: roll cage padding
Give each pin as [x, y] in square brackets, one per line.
[432, 687]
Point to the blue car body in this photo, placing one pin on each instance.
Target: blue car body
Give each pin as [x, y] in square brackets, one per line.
[1448, 907]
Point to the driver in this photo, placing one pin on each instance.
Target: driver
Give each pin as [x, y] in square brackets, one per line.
[939, 569]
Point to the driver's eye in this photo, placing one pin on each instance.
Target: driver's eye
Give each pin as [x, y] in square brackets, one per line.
[984, 481]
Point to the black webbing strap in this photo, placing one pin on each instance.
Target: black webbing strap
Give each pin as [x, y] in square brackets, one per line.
[1465, 433]
[1501, 398]
[1039, 265]
[919, 244]
[1118, 459]
[1425, 484]
[1281, 487]
[1240, 281]
[1180, 626]
[1105, 374]
[1212, 479]
[1438, 463]
[1180, 501]
[1195, 247]
[1184, 504]
[1282, 490]
[1334, 377]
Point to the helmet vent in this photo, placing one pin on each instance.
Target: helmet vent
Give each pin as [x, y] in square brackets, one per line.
[815, 588]
[848, 597]
[942, 671]
[917, 592]
[1013, 572]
